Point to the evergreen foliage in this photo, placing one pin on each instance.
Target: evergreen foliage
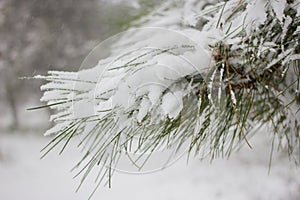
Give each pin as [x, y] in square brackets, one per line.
[253, 79]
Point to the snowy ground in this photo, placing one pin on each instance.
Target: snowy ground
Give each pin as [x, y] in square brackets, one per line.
[243, 177]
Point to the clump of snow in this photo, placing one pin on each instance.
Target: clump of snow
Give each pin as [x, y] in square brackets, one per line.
[278, 7]
[172, 103]
[233, 99]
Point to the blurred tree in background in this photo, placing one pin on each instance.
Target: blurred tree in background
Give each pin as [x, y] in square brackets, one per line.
[41, 35]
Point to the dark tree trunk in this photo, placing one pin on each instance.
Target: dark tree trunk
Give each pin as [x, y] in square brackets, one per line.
[12, 104]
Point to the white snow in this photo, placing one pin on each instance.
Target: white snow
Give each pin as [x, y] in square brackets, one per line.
[244, 176]
[278, 7]
[232, 95]
[172, 104]
[144, 108]
[220, 81]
